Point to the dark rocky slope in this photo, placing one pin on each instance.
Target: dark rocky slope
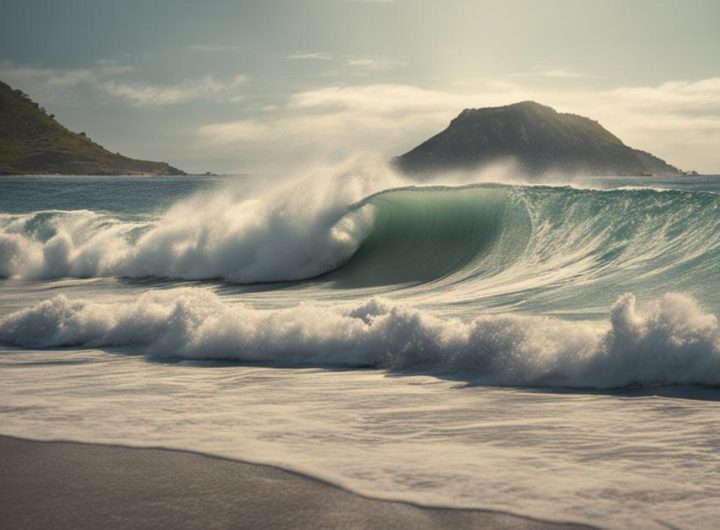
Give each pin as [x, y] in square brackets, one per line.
[536, 137]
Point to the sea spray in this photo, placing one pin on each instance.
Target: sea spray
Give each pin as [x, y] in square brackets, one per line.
[288, 230]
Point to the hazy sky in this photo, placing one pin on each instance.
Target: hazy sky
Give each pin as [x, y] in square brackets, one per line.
[260, 85]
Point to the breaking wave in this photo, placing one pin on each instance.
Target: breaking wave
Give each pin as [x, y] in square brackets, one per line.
[672, 342]
[491, 236]
[286, 232]
[452, 268]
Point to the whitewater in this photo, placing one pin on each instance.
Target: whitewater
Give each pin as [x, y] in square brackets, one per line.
[549, 349]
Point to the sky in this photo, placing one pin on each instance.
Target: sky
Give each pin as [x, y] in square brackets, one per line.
[263, 86]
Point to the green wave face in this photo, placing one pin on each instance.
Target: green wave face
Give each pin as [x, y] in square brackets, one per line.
[420, 236]
[541, 249]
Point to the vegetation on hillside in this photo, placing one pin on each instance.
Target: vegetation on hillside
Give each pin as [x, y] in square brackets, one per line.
[33, 142]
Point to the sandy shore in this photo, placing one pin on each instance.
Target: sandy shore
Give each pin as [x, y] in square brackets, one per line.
[73, 485]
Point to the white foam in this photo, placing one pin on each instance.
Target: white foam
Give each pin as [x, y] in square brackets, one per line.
[285, 231]
[82, 243]
[672, 342]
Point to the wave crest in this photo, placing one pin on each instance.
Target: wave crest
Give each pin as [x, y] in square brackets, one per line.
[672, 342]
[284, 231]
[475, 243]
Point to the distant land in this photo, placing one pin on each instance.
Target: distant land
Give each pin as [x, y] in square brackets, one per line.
[536, 137]
[33, 142]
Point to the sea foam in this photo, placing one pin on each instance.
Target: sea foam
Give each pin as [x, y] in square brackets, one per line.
[672, 342]
[288, 230]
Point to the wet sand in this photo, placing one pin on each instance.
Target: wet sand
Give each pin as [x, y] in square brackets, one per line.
[67, 485]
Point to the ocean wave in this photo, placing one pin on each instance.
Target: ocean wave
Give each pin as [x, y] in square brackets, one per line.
[283, 232]
[673, 341]
[360, 228]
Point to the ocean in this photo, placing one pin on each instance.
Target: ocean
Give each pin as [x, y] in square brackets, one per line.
[549, 350]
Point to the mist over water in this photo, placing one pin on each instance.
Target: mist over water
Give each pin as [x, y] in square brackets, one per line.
[595, 286]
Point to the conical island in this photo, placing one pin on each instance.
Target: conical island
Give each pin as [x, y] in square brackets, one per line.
[536, 137]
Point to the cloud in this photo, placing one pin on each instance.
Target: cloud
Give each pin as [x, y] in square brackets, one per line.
[330, 123]
[148, 95]
[311, 56]
[368, 63]
[349, 64]
[678, 120]
[49, 77]
[553, 73]
[380, 99]
[110, 67]
[109, 78]
[237, 131]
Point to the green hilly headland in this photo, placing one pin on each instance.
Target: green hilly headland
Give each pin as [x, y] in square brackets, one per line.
[33, 142]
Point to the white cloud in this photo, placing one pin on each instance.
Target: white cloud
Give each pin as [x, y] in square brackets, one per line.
[51, 86]
[208, 88]
[380, 63]
[310, 56]
[679, 121]
[376, 99]
[49, 77]
[237, 131]
[552, 73]
[109, 78]
[349, 65]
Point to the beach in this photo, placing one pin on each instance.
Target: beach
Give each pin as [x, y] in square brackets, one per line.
[76, 485]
